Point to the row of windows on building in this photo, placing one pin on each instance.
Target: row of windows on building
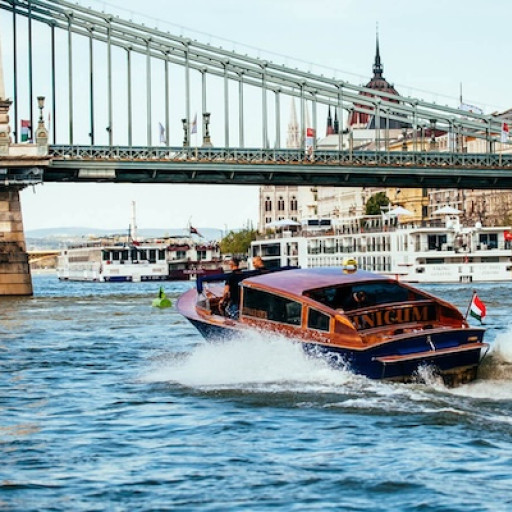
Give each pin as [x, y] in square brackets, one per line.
[281, 204]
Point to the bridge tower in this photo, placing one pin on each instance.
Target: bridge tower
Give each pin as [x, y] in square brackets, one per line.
[15, 278]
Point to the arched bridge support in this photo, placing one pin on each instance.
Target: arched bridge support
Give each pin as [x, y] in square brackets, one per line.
[15, 278]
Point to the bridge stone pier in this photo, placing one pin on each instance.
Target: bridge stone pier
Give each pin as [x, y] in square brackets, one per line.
[15, 278]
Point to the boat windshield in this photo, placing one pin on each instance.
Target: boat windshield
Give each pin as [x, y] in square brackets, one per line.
[362, 295]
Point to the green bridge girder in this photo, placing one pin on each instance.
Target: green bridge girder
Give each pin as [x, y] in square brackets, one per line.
[234, 166]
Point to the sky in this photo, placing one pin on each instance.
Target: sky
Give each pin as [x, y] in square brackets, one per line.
[428, 50]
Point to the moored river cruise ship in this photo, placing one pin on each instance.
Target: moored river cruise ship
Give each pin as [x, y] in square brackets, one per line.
[108, 260]
[445, 252]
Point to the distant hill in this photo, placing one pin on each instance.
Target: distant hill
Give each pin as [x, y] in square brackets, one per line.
[56, 238]
[73, 232]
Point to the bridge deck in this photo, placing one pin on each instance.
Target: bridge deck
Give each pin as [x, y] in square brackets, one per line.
[234, 166]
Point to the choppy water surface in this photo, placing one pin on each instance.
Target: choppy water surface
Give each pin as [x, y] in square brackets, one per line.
[109, 404]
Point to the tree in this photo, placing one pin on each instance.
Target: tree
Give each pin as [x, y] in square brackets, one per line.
[238, 242]
[375, 202]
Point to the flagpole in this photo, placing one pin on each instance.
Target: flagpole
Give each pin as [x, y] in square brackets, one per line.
[470, 302]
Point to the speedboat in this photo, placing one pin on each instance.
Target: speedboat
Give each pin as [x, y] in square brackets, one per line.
[374, 325]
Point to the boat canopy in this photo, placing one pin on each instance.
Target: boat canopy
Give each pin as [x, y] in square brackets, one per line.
[298, 281]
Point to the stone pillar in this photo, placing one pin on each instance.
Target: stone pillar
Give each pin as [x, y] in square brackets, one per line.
[5, 139]
[15, 276]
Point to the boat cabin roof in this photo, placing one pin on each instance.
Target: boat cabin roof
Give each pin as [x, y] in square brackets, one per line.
[299, 281]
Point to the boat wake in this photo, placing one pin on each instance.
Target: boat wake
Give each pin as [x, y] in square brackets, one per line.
[254, 362]
[267, 363]
[495, 373]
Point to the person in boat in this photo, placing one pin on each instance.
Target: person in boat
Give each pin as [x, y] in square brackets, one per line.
[360, 299]
[231, 299]
[258, 265]
[348, 299]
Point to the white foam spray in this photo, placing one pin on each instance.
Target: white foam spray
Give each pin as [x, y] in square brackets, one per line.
[255, 362]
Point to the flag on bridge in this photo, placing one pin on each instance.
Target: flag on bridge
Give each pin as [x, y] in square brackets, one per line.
[471, 108]
[310, 139]
[163, 139]
[26, 130]
[504, 132]
[193, 126]
[477, 308]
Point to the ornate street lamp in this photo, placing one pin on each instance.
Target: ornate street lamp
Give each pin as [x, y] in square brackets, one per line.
[185, 132]
[432, 134]
[40, 104]
[206, 132]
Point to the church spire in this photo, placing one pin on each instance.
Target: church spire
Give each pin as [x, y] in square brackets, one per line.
[377, 66]
[330, 129]
[336, 123]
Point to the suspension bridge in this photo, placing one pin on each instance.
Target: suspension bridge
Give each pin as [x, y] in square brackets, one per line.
[103, 99]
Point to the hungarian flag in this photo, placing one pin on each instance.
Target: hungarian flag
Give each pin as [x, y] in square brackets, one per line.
[504, 132]
[477, 308]
[26, 130]
[310, 139]
[193, 231]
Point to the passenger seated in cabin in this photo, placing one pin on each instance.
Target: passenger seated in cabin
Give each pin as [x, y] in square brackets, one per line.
[231, 299]
[358, 299]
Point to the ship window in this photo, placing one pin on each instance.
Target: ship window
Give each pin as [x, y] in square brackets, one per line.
[134, 254]
[318, 321]
[268, 306]
[124, 255]
[161, 254]
[435, 242]
[152, 255]
[489, 239]
[116, 255]
[271, 250]
[105, 255]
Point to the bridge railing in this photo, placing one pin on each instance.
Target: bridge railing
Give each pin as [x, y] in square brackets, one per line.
[241, 156]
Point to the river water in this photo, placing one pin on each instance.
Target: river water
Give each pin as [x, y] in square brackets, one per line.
[109, 404]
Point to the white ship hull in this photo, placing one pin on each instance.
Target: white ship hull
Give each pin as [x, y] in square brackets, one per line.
[138, 262]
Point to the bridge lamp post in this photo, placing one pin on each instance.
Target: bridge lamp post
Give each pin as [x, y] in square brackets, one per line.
[488, 136]
[206, 130]
[185, 132]
[432, 145]
[404, 138]
[40, 104]
[41, 132]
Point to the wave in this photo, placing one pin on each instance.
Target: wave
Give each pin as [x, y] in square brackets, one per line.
[272, 364]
